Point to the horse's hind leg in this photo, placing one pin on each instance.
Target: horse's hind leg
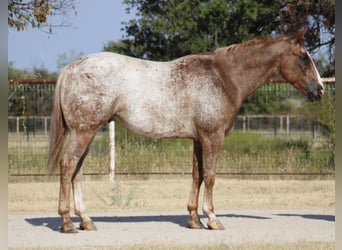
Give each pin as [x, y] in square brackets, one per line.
[197, 179]
[74, 152]
[80, 207]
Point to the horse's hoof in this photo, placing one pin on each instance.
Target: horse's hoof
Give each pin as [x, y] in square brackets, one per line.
[215, 225]
[68, 227]
[88, 225]
[195, 224]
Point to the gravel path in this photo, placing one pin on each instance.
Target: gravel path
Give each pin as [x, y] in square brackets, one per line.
[169, 227]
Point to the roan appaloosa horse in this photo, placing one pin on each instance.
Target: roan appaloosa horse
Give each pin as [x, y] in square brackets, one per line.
[196, 97]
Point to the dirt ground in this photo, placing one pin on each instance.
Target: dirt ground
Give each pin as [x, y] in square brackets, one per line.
[135, 212]
[169, 227]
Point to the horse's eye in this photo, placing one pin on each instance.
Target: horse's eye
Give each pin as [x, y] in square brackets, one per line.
[304, 60]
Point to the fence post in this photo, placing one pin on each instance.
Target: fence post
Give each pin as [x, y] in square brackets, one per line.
[275, 125]
[45, 125]
[280, 124]
[244, 123]
[111, 151]
[17, 125]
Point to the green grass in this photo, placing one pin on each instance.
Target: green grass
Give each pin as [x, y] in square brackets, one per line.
[248, 152]
[243, 152]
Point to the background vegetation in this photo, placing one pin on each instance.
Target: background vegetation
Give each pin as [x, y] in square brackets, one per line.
[243, 153]
[25, 14]
[167, 29]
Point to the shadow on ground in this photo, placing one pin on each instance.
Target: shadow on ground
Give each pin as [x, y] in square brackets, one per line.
[54, 222]
[311, 216]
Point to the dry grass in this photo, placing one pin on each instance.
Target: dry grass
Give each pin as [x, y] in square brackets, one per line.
[246, 246]
[172, 194]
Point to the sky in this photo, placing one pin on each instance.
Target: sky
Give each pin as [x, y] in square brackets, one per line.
[96, 23]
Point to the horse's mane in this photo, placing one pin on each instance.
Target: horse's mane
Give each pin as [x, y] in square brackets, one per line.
[254, 42]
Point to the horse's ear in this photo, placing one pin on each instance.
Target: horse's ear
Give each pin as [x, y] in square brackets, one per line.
[299, 37]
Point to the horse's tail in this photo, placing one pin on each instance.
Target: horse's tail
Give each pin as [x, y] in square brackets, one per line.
[57, 129]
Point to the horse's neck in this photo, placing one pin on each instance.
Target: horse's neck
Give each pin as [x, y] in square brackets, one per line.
[249, 70]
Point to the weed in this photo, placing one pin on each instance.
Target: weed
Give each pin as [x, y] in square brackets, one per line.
[116, 198]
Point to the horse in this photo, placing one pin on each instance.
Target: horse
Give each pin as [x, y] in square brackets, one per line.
[194, 97]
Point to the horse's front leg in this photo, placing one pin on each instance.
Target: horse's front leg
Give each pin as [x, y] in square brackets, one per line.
[212, 145]
[197, 179]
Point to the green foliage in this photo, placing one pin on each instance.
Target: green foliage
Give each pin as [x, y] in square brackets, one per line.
[318, 16]
[23, 14]
[272, 99]
[165, 30]
[249, 152]
[282, 99]
[29, 100]
[34, 73]
[168, 29]
[14, 73]
[323, 112]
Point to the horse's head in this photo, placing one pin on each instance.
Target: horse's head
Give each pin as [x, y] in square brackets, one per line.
[298, 68]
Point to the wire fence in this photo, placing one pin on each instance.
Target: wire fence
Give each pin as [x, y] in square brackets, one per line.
[272, 125]
[262, 145]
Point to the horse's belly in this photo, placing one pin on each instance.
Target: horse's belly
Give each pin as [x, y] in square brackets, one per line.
[157, 124]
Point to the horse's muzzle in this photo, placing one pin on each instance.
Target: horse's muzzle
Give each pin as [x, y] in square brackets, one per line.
[316, 93]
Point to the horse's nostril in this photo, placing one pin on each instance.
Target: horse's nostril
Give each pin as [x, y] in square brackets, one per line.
[315, 94]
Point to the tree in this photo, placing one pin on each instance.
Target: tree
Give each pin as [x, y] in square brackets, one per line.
[124, 46]
[319, 17]
[167, 29]
[35, 13]
[14, 73]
